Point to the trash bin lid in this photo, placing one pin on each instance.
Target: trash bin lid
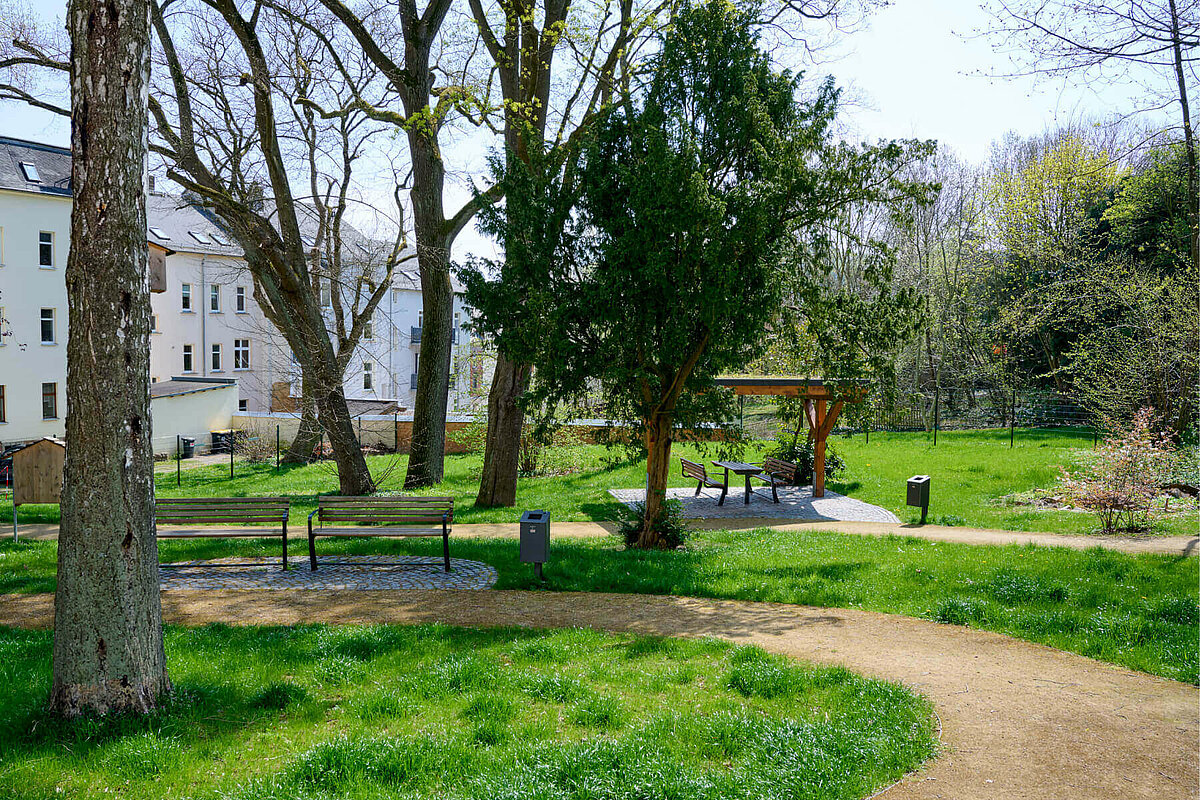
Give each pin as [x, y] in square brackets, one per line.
[535, 516]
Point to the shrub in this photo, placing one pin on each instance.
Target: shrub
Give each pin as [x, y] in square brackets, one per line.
[1120, 480]
[802, 453]
[672, 529]
[255, 443]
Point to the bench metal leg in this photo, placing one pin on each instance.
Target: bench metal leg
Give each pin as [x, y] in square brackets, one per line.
[699, 486]
[724, 491]
[445, 547]
[285, 545]
[774, 492]
[312, 548]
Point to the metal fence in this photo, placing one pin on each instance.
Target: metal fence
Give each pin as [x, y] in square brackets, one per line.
[944, 409]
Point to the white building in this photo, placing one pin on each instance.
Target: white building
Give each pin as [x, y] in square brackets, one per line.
[207, 327]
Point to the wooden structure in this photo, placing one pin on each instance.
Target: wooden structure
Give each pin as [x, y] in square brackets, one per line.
[222, 511]
[37, 474]
[822, 404]
[699, 474]
[382, 516]
[37, 470]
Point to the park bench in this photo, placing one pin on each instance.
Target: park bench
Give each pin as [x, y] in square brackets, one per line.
[776, 472]
[222, 511]
[382, 516]
[698, 473]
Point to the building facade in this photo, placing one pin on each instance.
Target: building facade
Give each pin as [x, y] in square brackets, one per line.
[206, 323]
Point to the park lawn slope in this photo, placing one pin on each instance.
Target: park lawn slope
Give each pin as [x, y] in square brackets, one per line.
[1137, 611]
[433, 711]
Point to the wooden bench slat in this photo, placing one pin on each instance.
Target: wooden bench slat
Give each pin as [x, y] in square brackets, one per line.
[382, 516]
[220, 511]
[215, 534]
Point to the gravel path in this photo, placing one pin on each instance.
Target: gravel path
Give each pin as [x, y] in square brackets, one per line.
[1019, 720]
[795, 503]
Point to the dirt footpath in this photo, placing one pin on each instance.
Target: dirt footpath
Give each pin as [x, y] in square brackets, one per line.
[1019, 720]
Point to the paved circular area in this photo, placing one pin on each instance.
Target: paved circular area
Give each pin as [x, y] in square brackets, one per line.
[348, 573]
[1019, 720]
[795, 503]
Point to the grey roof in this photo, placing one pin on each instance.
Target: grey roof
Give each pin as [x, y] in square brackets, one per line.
[53, 165]
[184, 385]
[363, 408]
[175, 216]
[178, 218]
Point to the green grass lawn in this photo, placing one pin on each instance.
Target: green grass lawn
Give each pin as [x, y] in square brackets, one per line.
[433, 712]
[970, 470]
[1137, 611]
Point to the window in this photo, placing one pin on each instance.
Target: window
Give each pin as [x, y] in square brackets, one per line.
[214, 298]
[241, 354]
[3, 405]
[1, 245]
[420, 319]
[239, 301]
[243, 405]
[3, 326]
[188, 366]
[49, 401]
[31, 172]
[47, 326]
[369, 329]
[326, 295]
[154, 323]
[185, 297]
[160, 234]
[457, 323]
[202, 238]
[46, 249]
[216, 358]
[368, 376]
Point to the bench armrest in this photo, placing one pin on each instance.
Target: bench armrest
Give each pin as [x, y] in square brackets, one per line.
[314, 513]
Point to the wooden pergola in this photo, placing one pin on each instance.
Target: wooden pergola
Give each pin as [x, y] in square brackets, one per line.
[822, 405]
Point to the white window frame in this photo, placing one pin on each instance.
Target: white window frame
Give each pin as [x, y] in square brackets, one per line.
[239, 301]
[189, 359]
[42, 320]
[239, 351]
[185, 298]
[53, 394]
[214, 358]
[214, 298]
[51, 245]
[243, 406]
[368, 372]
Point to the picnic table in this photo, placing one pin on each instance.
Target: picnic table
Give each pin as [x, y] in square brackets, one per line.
[740, 468]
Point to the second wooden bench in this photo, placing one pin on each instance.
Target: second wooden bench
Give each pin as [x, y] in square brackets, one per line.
[382, 516]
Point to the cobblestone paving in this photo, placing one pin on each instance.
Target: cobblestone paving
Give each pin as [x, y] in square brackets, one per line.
[794, 503]
[354, 573]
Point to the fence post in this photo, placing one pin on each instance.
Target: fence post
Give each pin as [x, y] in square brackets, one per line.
[231, 455]
[178, 460]
[937, 410]
[277, 447]
[1012, 421]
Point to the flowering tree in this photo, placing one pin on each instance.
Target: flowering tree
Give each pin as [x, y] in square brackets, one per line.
[1120, 480]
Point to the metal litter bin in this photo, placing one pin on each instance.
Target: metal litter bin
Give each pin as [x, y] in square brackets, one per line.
[918, 494]
[535, 539]
[187, 447]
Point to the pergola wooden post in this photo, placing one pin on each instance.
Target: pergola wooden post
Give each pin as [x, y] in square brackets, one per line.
[818, 412]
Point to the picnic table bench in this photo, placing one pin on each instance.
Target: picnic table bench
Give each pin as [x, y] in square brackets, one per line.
[222, 511]
[698, 473]
[776, 472]
[382, 516]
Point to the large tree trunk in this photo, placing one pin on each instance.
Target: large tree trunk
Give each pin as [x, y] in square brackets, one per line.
[354, 478]
[309, 433]
[658, 466]
[426, 459]
[108, 642]
[502, 452]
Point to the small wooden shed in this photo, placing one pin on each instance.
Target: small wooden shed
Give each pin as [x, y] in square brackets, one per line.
[37, 471]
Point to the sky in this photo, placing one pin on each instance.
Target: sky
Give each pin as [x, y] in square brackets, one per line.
[916, 70]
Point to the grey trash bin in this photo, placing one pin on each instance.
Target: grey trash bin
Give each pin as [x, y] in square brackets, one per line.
[535, 539]
[187, 447]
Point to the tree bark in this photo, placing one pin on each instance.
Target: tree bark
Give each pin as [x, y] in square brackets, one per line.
[502, 451]
[658, 466]
[309, 433]
[1188, 138]
[108, 642]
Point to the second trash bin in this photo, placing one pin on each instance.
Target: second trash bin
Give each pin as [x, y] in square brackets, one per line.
[187, 447]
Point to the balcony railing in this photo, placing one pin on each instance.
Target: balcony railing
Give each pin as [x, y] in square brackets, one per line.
[412, 382]
[415, 334]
